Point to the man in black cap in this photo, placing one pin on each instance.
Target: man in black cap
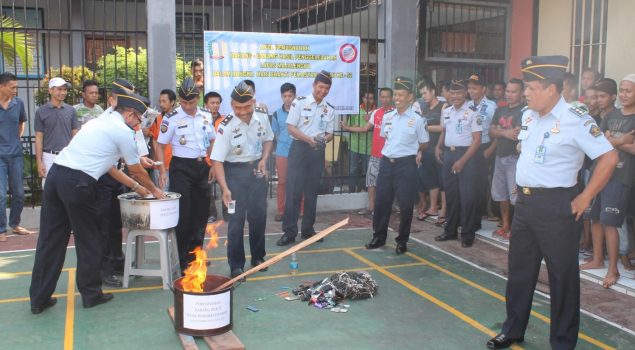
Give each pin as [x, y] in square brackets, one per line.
[70, 202]
[406, 139]
[190, 131]
[311, 122]
[240, 156]
[554, 138]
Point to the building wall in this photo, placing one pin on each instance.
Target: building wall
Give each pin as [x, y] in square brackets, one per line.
[619, 53]
[521, 35]
[554, 27]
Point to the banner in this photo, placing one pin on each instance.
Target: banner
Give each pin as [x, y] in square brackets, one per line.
[271, 59]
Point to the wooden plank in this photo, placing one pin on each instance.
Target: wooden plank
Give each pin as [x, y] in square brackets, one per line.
[284, 254]
[225, 341]
[187, 341]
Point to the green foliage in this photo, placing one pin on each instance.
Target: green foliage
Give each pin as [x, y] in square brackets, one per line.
[74, 75]
[15, 43]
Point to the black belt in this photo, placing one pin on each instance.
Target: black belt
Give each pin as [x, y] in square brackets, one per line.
[456, 148]
[197, 159]
[241, 164]
[532, 191]
[400, 159]
[52, 152]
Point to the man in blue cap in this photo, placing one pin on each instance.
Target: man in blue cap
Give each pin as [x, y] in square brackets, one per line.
[553, 140]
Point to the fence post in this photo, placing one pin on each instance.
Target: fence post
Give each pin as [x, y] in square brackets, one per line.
[161, 15]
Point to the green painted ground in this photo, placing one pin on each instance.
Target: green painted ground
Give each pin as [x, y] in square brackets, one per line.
[426, 300]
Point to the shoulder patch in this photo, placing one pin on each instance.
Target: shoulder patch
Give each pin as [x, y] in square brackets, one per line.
[595, 131]
[171, 114]
[164, 128]
[259, 109]
[418, 113]
[300, 98]
[579, 111]
[226, 120]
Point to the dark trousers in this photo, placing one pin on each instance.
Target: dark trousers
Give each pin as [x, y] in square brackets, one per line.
[70, 203]
[303, 178]
[110, 214]
[544, 227]
[189, 178]
[460, 194]
[397, 177]
[483, 171]
[250, 194]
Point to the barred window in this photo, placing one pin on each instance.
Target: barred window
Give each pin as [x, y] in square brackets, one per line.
[588, 35]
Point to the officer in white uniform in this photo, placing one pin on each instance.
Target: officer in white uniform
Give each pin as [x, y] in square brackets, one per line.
[406, 138]
[240, 155]
[486, 109]
[70, 202]
[311, 122]
[554, 139]
[191, 134]
[459, 142]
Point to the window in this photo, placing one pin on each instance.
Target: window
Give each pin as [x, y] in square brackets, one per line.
[30, 19]
[588, 35]
[189, 34]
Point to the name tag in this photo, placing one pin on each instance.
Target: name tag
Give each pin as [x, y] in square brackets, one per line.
[539, 156]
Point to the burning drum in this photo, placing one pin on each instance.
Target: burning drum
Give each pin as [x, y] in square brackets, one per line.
[203, 313]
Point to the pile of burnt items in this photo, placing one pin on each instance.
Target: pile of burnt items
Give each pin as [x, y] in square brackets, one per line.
[330, 292]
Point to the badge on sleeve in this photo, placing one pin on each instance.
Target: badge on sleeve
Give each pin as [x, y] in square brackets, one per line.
[164, 128]
[595, 131]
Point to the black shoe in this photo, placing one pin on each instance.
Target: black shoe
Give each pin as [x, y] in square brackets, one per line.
[446, 237]
[375, 243]
[501, 341]
[102, 299]
[257, 262]
[401, 248]
[307, 236]
[467, 244]
[112, 281]
[285, 240]
[38, 309]
[237, 272]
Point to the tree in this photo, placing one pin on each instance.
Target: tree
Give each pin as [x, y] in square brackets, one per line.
[15, 44]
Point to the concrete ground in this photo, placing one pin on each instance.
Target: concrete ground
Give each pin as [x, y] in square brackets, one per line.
[460, 290]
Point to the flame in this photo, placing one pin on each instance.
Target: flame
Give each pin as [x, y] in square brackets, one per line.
[196, 272]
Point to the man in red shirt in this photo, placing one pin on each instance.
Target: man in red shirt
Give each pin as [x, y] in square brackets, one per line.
[374, 123]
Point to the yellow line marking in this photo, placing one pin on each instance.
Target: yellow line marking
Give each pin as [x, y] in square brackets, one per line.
[495, 295]
[24, 273]
[70, 311]
[138, 289]
[463, 317]
[264, 278]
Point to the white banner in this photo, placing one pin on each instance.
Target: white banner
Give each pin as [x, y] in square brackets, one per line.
[271, 59]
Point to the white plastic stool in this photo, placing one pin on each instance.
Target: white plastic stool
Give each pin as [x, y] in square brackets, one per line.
[168, 256]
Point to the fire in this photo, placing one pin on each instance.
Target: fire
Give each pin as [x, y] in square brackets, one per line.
[196, 272]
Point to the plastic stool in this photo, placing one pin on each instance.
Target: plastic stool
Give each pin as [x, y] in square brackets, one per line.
[168, 256]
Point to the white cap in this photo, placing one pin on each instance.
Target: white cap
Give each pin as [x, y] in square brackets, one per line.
[630, 77]
[57, 81]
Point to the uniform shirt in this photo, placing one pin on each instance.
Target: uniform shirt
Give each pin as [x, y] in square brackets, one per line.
[142, 147]
[377, 117]
[553, 146]
[85, 114]
[485, 109]
[238, 142]
[189, 136]
[10, 120]
[99, 144]
[280, 130]
[459, 124]
[403, 133]
[56, 124]
[310, 117]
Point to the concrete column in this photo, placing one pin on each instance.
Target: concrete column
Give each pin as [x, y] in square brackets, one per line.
[398, 27]
[77, 38]
[161, 15]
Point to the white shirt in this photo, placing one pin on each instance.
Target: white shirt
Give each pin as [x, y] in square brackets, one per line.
[565, 135]
[189, 136]
[99, 144]
[459, 124]
[238, 142]
[310, 117]
[403, 133]
[485, 109]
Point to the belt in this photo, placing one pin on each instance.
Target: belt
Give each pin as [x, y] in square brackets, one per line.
[456, 148]
[395, 160]
[532, 191]
[197, 159]
[241, 164]
[52, 152]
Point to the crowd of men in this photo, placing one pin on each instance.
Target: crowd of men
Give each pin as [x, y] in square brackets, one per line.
[556, 163]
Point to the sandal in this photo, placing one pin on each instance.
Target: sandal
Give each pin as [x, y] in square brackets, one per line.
[499, 232]
[440, 221]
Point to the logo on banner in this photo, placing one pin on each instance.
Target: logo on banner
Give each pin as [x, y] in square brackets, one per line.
[210, 50]
[348, 53]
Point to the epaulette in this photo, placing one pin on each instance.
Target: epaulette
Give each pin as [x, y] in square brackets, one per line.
[300, 98]
[418, 113]
[226, 120]
[474, 108]
[171, 114]
[579, 111]
[330, 105]
[260, 110]
[524, 109]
